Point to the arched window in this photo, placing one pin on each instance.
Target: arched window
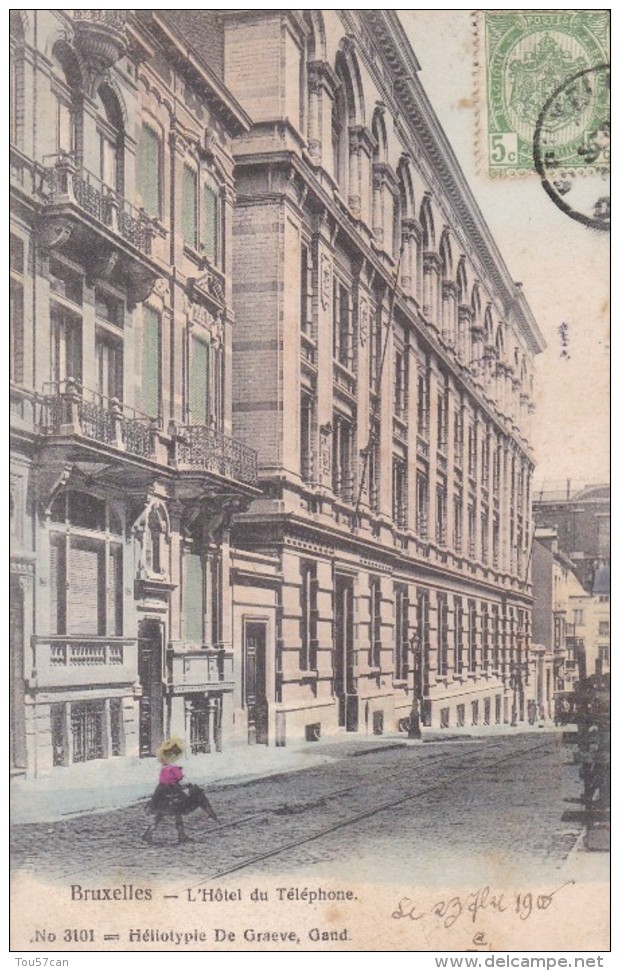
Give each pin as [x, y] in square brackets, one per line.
[339, 135]
[111, 139]
[66, 117]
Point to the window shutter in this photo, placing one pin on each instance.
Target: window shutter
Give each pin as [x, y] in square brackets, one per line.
[115, 592]
[211, 205]
[84, 591]
[189, 215]
[150, 171]
[193, 598]
[57, 585]
[151, 363]
[199, 382]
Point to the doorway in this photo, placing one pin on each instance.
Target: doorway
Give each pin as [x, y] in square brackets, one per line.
[17, 735]
[255, 682]
[344, 680]
[150, 674]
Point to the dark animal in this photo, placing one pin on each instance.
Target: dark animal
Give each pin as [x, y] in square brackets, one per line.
[175, 801]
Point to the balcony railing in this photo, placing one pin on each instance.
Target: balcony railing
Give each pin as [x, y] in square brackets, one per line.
[74, 410]
[63, 660]
[68, 182]
[205, 449]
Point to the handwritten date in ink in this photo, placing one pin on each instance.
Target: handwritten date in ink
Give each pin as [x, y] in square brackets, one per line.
[469, 906]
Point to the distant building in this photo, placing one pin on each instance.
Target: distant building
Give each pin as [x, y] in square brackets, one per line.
[556, 586]
[591, 618]
[582, 518]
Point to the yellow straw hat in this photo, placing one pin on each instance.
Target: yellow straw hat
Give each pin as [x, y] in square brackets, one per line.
[167, 748]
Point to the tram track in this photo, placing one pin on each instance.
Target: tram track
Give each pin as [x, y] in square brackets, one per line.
[365, 814]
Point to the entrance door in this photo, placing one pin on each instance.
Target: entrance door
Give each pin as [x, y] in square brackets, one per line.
[17, 737]
[150, 670]
[255, 684]
[344, 681]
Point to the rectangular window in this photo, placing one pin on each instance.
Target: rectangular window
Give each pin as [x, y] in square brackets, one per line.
[66, 344]
[306, 456]
[458, 524]
[374, 659]
[342, 459]
[497, 459]
[193, 598]
[444, 718]
[442, 422]
[495, 645]
[423, 395]
[86, 588]
[460, 716]
[442, 635]
[62, 118]
[189, 215]
[475, 712]
[401, 384]
[441, 514]
[399, 493]
[603, 628]
[472, 636]
[578, 618]
[401, 633]
[458, 436]
[211, 212]
[486, 654]
[472, 451]
[309, 616]
[65, 283]
[88, 730]
[423, 644]
[16, 325]
[151, 363]
[421, 505]
[375, 350]
[305, 294]
[150, 173]
[199, 382]
[374, 465]
[458, 635]
[487, 711]
[109, 355]
[343, 337]
[471, 528]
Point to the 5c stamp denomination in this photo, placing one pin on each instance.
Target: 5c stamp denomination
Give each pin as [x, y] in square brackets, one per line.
[528, 56]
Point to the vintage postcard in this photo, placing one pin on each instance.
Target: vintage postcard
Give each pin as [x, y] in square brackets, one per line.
[310, 503]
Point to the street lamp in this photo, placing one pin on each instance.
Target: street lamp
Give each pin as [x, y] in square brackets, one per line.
[415, 646]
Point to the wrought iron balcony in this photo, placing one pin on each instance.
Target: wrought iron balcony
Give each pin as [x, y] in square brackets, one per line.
[74, 410]
[69, 183]
[200, 448]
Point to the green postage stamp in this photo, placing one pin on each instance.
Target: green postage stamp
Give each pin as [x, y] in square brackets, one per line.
[547, 68]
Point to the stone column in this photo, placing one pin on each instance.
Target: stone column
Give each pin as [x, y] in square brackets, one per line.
[409, 277]
[322, 83]
[430, 290]
[361, 144]
[448, 312]
[463, 348]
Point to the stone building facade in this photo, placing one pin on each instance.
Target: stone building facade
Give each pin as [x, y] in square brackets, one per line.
[124, 476]
[257, 240]
[383, 363]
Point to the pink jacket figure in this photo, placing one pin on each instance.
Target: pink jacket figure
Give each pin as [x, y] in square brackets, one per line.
[170, 775]
[170, 797]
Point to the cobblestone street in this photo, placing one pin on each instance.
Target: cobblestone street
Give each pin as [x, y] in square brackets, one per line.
[492, 806]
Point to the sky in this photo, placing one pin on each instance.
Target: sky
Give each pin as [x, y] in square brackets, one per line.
[564, 266]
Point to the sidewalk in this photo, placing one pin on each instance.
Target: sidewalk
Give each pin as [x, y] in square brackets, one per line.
[103, 785]
[111, 784]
